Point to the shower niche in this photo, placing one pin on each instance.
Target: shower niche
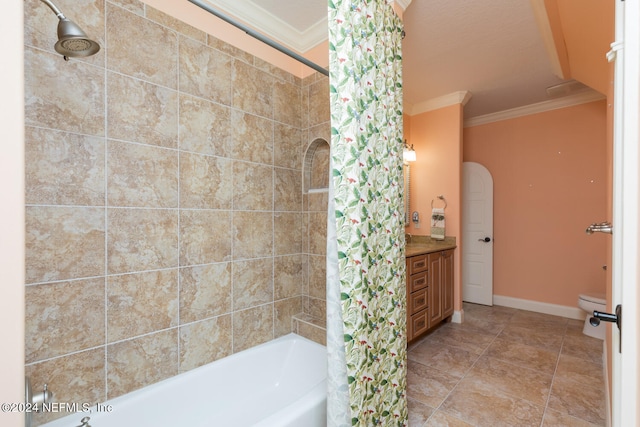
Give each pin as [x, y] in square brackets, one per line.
[316, 167]
[311, 323]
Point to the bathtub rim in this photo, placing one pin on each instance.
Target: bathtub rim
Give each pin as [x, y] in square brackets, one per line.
[73, 419]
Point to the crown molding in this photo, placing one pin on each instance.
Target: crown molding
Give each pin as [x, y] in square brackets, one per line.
[279, 30]
[404, 4]
[460, 97]
[540, 107]
[315, 35]
[273, 27]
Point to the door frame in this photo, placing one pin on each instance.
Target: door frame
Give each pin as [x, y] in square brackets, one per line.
[481, 169]
[626, 238]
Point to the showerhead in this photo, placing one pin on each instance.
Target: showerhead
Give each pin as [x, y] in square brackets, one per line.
[72, 41]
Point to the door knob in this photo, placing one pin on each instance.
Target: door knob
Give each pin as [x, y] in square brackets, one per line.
[608, 317]
[598, 316]
[485, 240]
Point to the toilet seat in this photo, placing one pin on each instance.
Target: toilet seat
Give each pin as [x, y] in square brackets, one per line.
[595, 298]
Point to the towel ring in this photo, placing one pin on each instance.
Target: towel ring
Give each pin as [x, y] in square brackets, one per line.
[441, 197]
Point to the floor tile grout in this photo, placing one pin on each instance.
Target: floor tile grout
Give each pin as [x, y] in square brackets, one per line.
[463, 376]
[555, 371]
[498, 321]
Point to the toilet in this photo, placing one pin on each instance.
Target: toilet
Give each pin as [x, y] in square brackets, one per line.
[590, 302]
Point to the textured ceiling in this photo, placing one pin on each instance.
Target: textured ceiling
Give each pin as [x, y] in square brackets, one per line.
[299, 25]
[491, 48]
[299, 14]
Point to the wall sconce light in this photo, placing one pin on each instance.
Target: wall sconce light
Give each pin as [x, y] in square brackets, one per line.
[408, 153]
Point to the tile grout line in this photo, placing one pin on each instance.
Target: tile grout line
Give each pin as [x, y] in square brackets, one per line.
[462, 378]
[566, 335]
[106, 211]
[553, 378]
[179, 43]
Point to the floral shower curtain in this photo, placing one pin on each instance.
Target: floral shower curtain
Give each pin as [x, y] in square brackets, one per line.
[366, 293]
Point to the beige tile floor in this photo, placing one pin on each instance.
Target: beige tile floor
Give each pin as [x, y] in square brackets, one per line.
[506, 367]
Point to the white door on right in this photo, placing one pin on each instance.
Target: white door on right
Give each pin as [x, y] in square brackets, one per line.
[477, 234]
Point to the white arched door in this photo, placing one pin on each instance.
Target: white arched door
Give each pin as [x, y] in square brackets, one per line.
[477, 234]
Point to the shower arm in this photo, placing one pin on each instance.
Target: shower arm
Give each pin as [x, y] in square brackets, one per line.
[54, 8]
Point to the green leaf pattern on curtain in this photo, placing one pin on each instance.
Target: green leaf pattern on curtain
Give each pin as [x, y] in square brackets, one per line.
[366, 152]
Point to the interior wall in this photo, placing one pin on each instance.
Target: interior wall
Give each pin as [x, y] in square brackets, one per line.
[204, 21]
[437, 138]
[315, 202]
[585, 29]
[550, 173]
[12, 213]
[164, 210]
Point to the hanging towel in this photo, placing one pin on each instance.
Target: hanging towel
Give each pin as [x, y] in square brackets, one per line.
[437, 223]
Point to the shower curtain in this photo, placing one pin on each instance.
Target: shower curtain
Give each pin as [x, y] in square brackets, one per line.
[366, 293]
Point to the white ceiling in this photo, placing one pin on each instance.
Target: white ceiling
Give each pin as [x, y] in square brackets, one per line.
[491, 48]
[299, 24]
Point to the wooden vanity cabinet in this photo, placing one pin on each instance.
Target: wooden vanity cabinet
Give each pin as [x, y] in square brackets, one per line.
[435, 299]
[446, 271]
[441, 279]
[429, 291]
[417, 295]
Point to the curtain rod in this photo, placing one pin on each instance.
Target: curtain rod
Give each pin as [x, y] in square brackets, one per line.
[260, 37]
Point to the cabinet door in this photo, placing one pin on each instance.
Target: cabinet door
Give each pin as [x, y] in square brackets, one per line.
[435, 291]
[447, 283]
[408, 280]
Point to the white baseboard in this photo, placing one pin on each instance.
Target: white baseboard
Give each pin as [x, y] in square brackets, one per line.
[458, 316]
[540, 307]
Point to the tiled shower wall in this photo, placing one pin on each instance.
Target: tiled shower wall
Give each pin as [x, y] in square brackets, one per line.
[316, 157]
[315, 206]
[166, 224]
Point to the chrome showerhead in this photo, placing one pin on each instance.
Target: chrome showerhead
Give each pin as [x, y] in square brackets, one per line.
[72, 41]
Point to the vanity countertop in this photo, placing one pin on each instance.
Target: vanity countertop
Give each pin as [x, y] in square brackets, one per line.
[420, 245]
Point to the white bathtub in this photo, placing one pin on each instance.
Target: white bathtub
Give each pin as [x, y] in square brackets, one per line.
[281, 383]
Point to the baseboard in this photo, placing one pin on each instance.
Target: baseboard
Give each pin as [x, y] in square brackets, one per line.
[605, 366]
[540, 307]
[458, 316]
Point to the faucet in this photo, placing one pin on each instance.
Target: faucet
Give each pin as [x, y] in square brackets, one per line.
[601, 227]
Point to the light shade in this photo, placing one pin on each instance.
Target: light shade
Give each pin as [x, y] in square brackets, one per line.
[408, 153]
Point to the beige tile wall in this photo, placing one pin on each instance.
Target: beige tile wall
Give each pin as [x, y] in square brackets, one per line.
[166, 225]
[316, 164]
